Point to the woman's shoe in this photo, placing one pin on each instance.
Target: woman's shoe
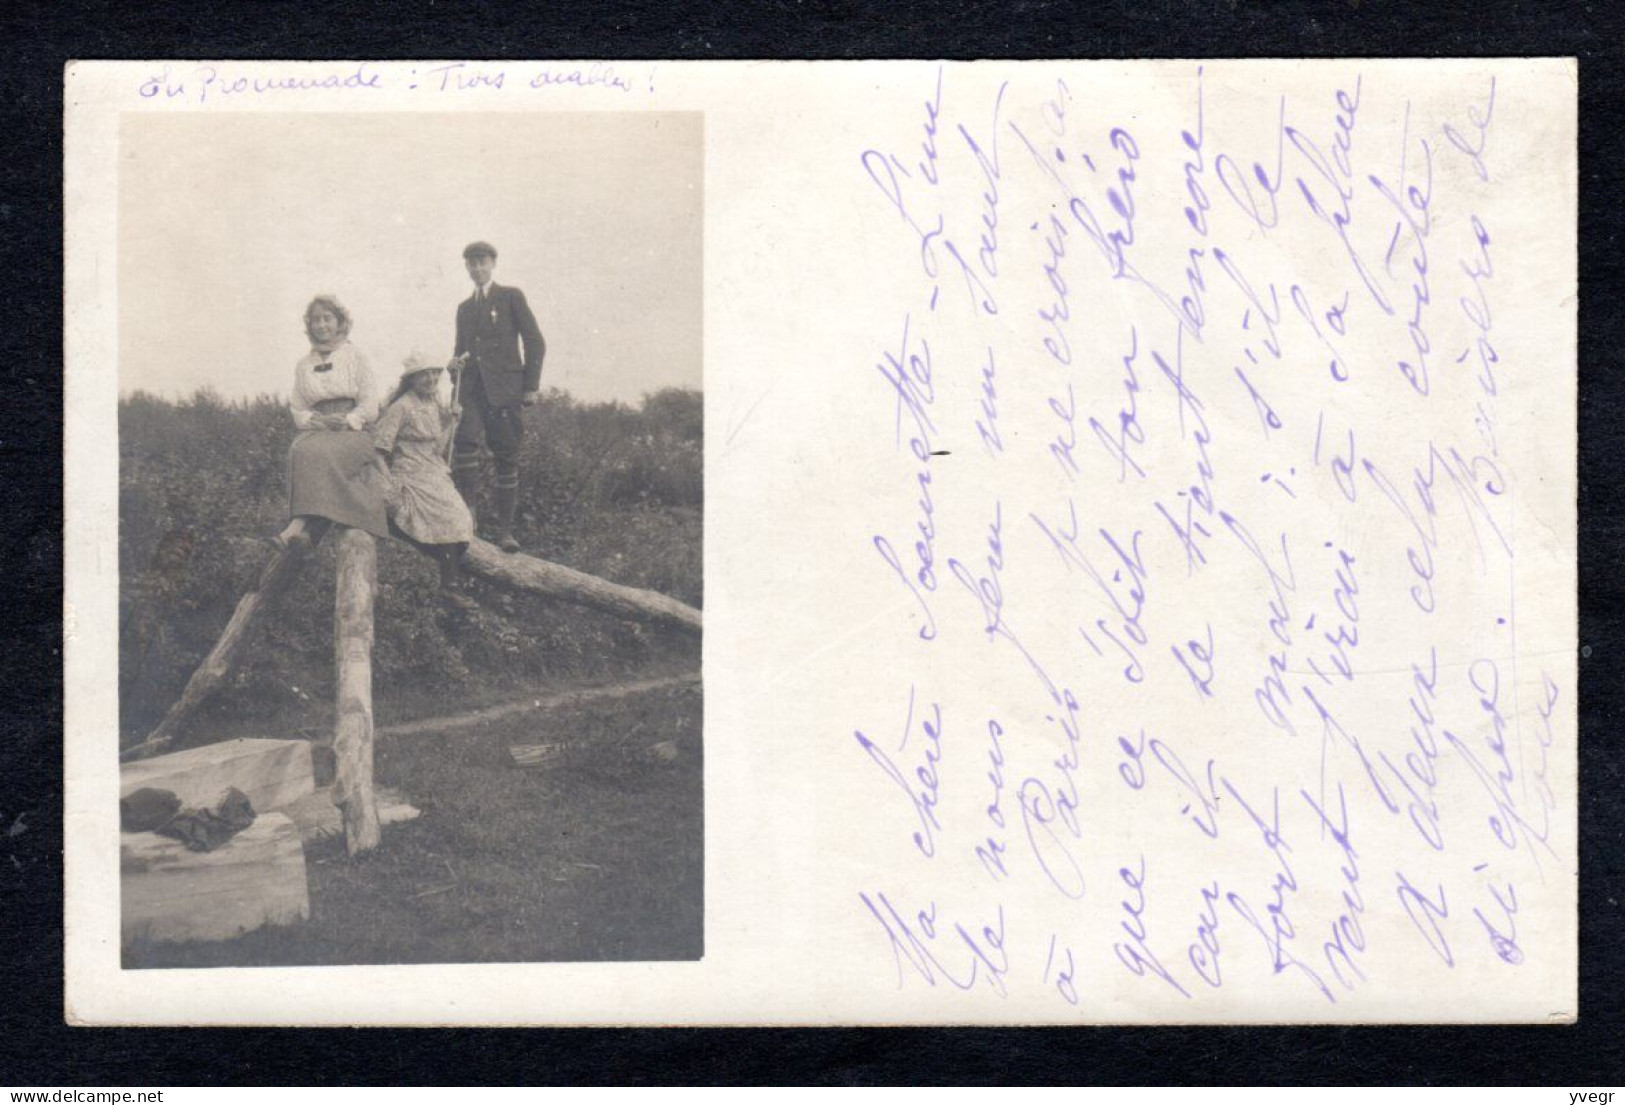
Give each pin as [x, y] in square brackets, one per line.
[295, 538]
[458, 601]
[451, 579]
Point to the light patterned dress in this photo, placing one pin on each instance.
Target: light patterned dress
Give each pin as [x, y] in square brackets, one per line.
[424, 502]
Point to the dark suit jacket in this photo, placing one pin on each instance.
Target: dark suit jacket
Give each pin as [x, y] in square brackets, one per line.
[491, 336]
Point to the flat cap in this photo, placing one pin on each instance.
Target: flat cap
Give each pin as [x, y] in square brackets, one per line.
[479, 249]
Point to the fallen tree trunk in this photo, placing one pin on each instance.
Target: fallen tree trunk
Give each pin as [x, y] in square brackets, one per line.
[514, 571]
[238, 634]
[519, 572]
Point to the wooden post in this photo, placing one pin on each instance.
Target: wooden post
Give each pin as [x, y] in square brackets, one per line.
[352, 735]
[245, 620]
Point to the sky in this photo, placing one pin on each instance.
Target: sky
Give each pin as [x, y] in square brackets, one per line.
[230, 223]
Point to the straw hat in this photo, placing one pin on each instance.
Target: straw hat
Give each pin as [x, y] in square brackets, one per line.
[416, 362]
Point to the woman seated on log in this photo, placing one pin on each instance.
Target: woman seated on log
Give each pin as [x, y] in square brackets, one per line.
[425, 507]
[333, 473]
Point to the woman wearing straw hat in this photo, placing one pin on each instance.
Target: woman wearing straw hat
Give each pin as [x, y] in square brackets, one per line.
[333, 473]
[414, 433]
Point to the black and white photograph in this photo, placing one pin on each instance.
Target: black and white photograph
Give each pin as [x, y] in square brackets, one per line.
[410, 498]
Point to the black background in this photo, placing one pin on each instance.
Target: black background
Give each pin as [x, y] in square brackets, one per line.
[36, 1047]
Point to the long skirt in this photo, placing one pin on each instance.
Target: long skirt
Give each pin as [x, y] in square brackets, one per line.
[338, 475]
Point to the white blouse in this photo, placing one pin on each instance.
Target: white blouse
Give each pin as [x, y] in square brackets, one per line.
[348, 377]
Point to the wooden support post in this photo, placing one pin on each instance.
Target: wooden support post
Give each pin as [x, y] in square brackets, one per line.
[239, 632]
[519, 572]
[352, 736]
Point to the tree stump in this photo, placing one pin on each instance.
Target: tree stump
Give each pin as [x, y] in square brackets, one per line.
[352, 735]
[254, 879]
[270, 773]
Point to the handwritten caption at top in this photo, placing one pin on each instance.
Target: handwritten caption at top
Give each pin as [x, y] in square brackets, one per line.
[202, 85]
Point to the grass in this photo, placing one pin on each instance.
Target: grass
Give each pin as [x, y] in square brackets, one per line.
[596, 856]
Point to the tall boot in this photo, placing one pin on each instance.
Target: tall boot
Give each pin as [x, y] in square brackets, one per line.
[467, 481]
[506, 499]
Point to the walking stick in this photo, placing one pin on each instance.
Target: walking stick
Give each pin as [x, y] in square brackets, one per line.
[456, 394]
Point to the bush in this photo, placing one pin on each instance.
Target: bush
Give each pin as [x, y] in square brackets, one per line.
[605, 488]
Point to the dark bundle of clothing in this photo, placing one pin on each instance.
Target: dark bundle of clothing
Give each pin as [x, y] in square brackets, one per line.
[150, 810]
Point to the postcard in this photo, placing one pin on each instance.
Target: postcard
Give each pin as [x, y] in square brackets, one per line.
[1044, 542]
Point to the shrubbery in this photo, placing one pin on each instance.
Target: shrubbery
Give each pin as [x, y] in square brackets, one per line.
[605, 488]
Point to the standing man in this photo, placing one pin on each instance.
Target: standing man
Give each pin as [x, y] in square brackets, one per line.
[491, 324]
